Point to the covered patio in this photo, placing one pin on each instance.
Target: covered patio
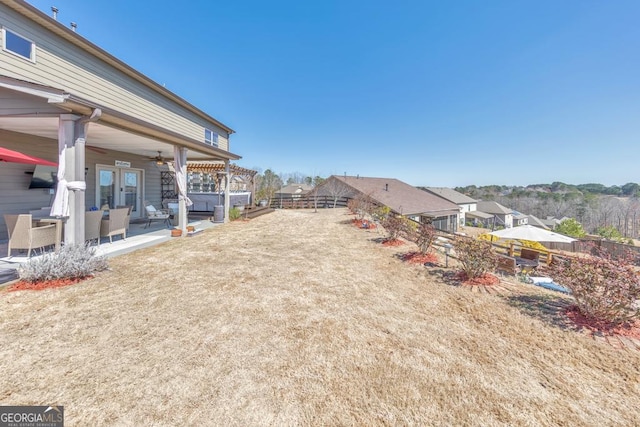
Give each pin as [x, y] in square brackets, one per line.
[105, 158]
[138, 237]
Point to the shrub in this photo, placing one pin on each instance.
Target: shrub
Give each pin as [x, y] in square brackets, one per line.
[234, 213]
[380, 213]
[70, 262]
[605, 289]
[476, 256]
[425, 234]
[570, 227]
[395, 225]
[361, 205]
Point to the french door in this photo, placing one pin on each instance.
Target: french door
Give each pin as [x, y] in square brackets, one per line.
[119, 187]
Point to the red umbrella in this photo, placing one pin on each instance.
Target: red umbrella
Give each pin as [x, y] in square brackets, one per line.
[11, 156]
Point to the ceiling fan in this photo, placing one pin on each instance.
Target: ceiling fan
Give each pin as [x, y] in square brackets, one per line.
[159, 159]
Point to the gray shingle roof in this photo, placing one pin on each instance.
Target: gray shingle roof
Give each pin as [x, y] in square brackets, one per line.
[537, 222]
[451, 195]
[295, 189]
[400, 196]
[493, 208]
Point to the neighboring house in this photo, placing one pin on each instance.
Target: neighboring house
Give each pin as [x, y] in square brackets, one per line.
[293, 191]
[466, 203]
[537, 222]
[400, 197]
[115, 127]
[479, 219]
[502, 216]
[519, 218]
[552, 222]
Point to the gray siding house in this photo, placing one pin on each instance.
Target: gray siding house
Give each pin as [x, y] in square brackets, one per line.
[61, 95]
[501, 215]
[466, 203]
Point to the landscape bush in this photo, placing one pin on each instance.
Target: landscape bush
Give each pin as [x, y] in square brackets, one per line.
[396, 226]
[424, 236]
[570, 227]
[70, 262]
[361, 205]
[477, 257]
[606, 289]
[234, 213]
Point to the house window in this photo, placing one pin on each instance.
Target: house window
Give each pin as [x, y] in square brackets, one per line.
[211, 137]
[18, 45]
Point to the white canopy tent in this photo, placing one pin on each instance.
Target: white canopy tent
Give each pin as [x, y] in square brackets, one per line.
[529, 232]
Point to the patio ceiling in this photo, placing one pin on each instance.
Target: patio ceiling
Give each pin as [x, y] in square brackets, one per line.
[34, 109]
[99, 135]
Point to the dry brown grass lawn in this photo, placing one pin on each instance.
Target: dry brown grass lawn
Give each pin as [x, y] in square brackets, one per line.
[296, 318]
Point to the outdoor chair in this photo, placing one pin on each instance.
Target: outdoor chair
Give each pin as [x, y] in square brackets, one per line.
[174, 209]
[507, 264]
[24, 235]
[128, 214]
[154, 214]
[92, 224]
[115, 224]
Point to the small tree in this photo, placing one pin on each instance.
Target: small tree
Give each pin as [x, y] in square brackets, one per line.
[570, 227]
[609, 232]
[316, 182]
[395, 225]
[425, 234]
[605, 289]
[361, 205]
[477, 257]
[268, 184]
[336, 189]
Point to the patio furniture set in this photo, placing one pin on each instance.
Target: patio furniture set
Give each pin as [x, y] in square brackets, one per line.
[29, 233]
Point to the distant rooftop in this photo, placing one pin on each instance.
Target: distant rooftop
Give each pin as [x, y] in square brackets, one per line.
[451, 195]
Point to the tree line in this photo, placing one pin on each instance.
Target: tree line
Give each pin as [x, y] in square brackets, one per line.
[609, 211]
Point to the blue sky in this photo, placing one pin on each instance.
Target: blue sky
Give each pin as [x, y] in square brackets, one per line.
[438, 93]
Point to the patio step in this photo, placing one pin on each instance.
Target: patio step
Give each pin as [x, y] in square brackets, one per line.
[255, 211]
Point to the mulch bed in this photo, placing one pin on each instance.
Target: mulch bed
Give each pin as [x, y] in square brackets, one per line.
[600, 327]
[363, 223]
[486, 279]
[392, 242]
[419, 258]
[48, 284]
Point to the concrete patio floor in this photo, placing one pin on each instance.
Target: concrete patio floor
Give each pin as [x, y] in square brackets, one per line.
[138, 237]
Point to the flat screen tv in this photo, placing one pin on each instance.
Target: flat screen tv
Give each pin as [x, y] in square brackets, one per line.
[44, 177]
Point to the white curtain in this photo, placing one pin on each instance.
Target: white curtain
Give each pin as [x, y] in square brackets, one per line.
[60, 206]
[180, 159]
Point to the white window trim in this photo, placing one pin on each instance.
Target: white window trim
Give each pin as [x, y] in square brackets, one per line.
[214, 137]
[4, 45]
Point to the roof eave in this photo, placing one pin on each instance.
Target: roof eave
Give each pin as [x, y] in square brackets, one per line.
[34, 14]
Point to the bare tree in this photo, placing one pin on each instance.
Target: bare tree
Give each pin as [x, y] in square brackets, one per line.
[336, 189]
[267, 184]
[315, 182]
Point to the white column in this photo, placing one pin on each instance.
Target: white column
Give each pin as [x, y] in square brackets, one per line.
[182, 204]
[73, 145]
[227, 188]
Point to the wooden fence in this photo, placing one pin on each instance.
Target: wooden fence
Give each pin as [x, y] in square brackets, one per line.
[321, 202]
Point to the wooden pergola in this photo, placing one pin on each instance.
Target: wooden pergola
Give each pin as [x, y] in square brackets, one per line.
[218, 169]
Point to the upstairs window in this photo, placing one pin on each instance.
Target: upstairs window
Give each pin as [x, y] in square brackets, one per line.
[18, 45]
[210, 137]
